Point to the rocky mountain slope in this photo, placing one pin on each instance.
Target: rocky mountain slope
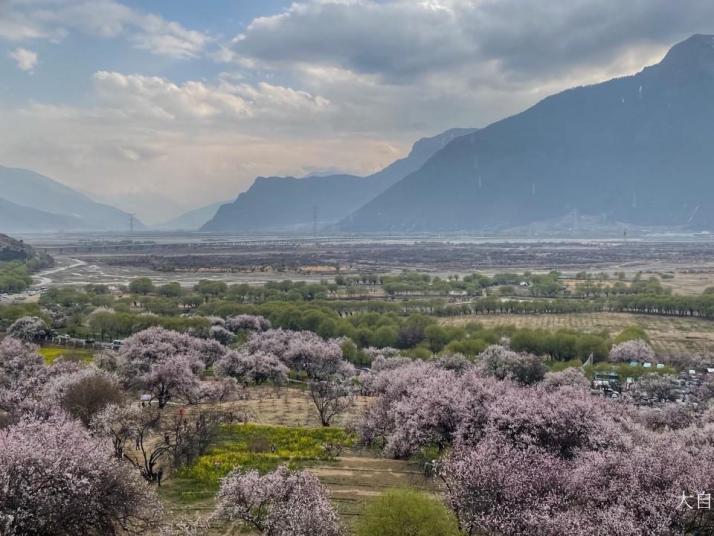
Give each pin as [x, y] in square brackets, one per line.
[636, 150]
[288, 203]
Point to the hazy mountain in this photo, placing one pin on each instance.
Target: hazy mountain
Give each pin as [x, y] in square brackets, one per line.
[288, 203]
[34, 191]
[193, 219]
[18, 219]
[637, 150]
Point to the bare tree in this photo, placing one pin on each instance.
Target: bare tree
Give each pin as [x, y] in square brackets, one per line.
[331, 398]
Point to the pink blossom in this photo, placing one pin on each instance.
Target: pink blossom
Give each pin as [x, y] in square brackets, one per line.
[56, 479]
[636, 350]
[282, 503]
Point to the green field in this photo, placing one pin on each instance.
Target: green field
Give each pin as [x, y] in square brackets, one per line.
[51, 353]
[264, 448]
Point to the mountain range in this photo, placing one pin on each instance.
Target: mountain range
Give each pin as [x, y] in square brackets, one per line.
[632, 151]
[289, 203]
[30, 202]
[636, 150]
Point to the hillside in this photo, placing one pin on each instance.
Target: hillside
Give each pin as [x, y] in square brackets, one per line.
[14, 250]
[59, 207]
[17, 219]
[636, 151]
[287, 203]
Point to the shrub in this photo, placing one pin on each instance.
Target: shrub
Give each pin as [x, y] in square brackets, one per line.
[406, 513]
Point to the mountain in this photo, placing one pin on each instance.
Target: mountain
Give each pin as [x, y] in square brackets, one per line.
[34, 191]
[636, 150]
[18, 219]
[193, 219]
[283, 203]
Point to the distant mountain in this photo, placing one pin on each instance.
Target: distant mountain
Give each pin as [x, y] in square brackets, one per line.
[637, 150]
[193, 219]
[287, 203]
[34, 191]
[18, 219]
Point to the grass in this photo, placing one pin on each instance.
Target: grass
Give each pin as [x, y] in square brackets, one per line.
[51, 353]
[259, 447]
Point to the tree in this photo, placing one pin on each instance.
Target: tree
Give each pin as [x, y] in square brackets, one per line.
[142, 437]
[22, 376]
[495, 488]
[166, 364]
[247, 322]
[133, 432]
[331, 398]
[55, 478]
[189, 434]
[302, 351]
[572, 377]
[154, 344]
[406, 513]
[86, 393]
[170, 290]
[632, 350]
[141, 285]
[209, 288]
[281, 503]
[220, 334]
[503, 363]
[420, 404]
[29, 329]
[174, 377]
[539, 468]
[252, 368]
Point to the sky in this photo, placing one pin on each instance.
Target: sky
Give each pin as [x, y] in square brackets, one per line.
[162, 106]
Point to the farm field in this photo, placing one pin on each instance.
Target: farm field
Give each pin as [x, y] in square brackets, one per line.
[51, 353]
[668, 335]
[352, 477]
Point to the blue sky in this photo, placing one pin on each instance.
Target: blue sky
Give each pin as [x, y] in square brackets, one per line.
[161, 106]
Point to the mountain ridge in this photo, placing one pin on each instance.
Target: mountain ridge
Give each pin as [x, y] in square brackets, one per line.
[289, 203]
[610, 150]
[26, 188]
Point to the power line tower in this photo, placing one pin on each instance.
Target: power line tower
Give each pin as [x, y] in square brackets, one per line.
[131, 223]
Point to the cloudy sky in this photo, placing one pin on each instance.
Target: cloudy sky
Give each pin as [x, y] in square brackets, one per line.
[162, 105]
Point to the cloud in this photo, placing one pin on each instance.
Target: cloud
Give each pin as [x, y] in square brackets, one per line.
[404, 41]
[192, 158]
[52, 20]
[26, 60]
[154, 98]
